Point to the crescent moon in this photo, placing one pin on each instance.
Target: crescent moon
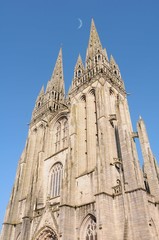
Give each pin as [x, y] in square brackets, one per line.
[80, 23]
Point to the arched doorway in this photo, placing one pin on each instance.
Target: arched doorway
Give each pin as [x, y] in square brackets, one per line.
[46, 234]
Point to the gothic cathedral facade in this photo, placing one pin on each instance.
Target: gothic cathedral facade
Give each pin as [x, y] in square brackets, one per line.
[79, 176]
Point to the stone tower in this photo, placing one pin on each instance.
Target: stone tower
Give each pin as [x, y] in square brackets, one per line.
[79, 176]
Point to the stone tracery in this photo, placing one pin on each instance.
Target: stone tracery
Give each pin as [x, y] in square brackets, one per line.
[89, 229]
[46, 234]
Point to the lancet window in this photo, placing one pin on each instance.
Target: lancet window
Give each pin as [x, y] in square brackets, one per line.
[65, 133]
[147, 186]
[61, 134]
[91, 233]
[79, 73]
[58, 137]
[55, 180]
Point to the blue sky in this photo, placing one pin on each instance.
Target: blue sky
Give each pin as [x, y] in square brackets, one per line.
[31, 34]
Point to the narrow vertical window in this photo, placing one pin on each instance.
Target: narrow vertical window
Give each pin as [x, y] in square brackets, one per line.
[61, 134]
[65, 133]
[58, 137]
[147, 186]
[56, 178]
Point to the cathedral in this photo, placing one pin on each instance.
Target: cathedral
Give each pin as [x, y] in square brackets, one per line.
[79, 176]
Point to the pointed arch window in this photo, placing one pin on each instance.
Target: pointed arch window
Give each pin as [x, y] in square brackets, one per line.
[79, 73]
[61, 134]
[89, 228]
[58, 137]
[55, 180]
[46, 233]
[65, 133]
[91, 233]
[99, 57]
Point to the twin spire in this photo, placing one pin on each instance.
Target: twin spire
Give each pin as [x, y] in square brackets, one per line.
[55, 86]
[56, 83]
[57, 77]
[94, 44]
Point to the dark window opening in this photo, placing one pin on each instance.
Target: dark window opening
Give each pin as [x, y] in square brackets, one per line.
[147, 187]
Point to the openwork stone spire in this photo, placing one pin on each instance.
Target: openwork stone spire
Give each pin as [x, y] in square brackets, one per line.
[57, 78]
[54, 96]
[94, 44]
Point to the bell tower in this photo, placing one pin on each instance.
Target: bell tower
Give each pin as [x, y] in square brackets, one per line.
[53, 98]
[79, 176]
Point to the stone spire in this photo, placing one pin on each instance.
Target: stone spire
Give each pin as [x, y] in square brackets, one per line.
[57, 79]
[54, 95]
[94, 44]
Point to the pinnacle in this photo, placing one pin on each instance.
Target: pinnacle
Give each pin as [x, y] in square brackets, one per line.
[41, 93]
[79, 63]
[112, 60]
[140, 118]
[105, 53]
[140, 122]
[79, 59]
